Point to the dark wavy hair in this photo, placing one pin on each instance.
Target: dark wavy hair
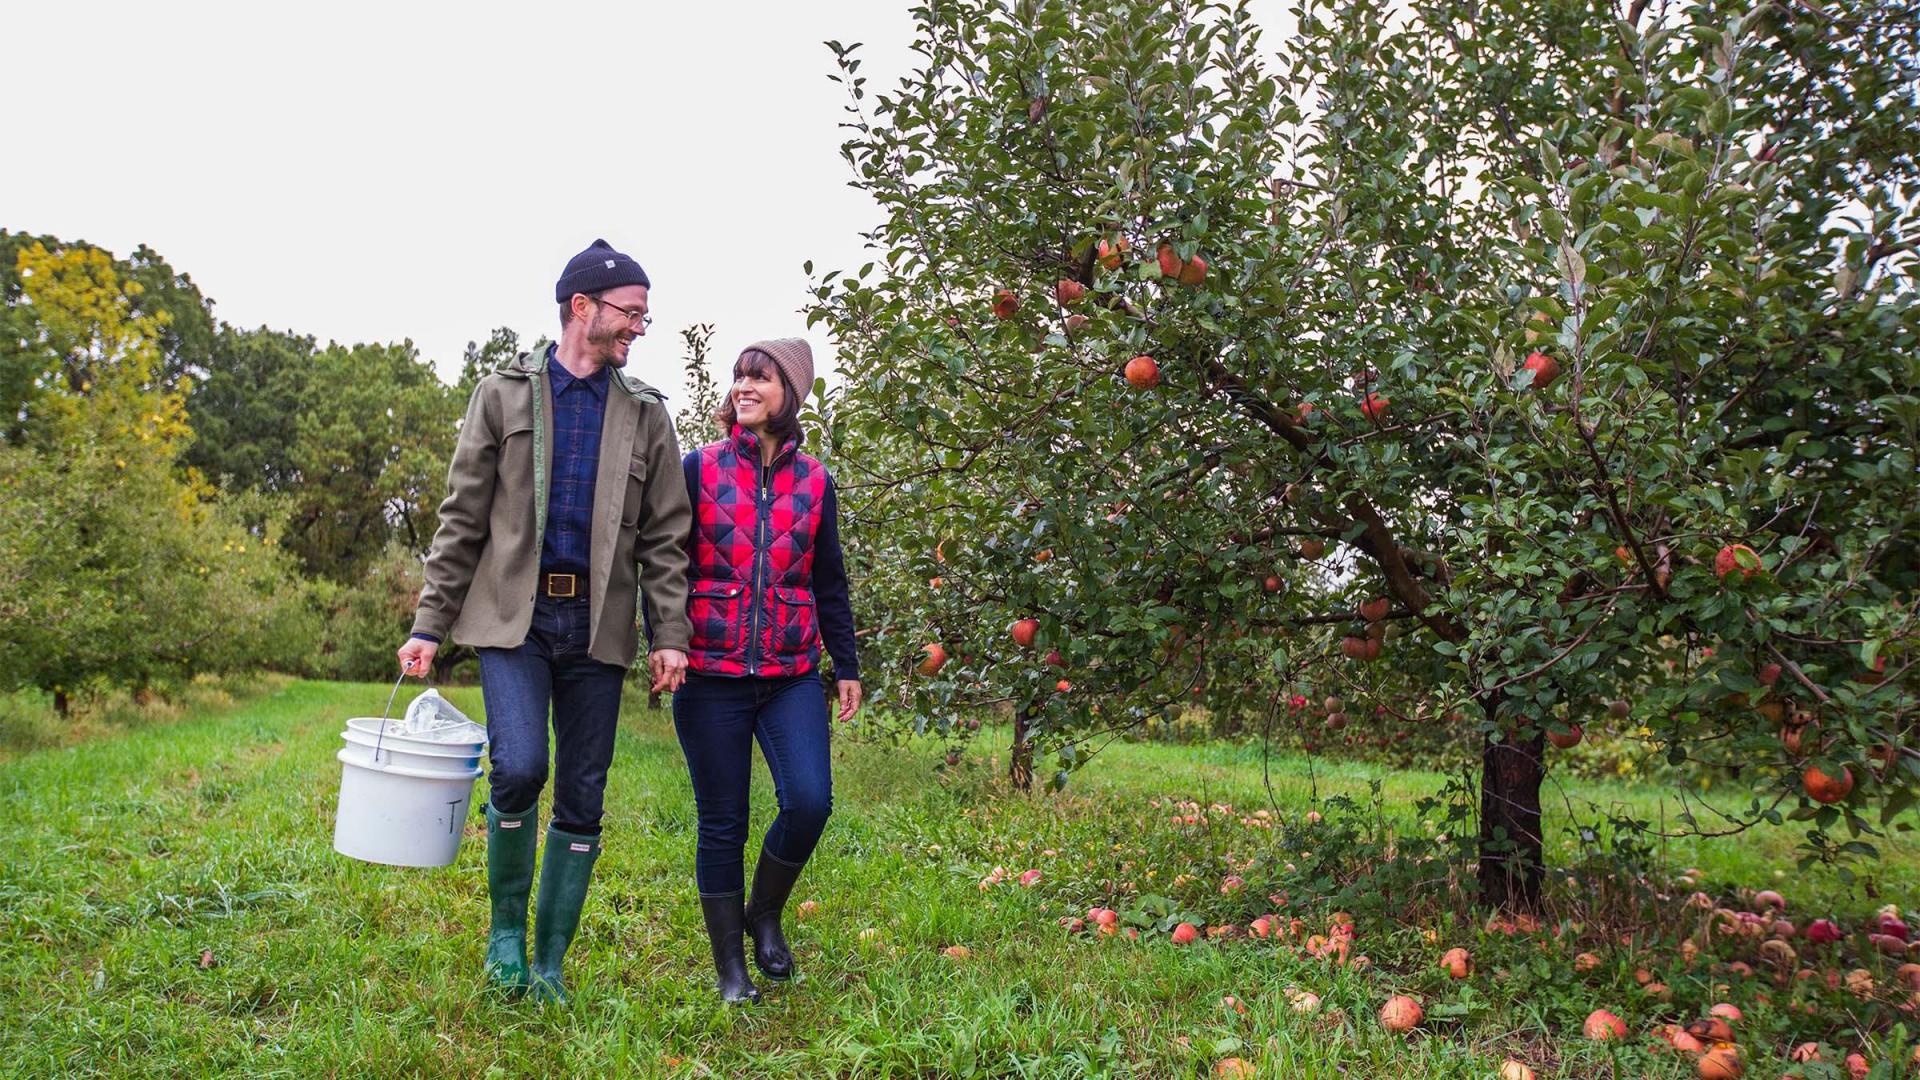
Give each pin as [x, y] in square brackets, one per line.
[785, 424]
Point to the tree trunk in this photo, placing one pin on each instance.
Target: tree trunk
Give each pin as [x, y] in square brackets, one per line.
[60, 703]
[1511, 857]
[1020, 770]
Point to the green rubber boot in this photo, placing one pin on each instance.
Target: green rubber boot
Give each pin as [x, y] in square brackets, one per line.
[510, 844]
[564, 875]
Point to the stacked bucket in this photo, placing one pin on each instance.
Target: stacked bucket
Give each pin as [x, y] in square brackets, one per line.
[404, 798]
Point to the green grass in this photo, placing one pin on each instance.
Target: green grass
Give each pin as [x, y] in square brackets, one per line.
[172, 907]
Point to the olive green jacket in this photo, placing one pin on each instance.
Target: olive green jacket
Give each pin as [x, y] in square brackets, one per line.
[484, 567]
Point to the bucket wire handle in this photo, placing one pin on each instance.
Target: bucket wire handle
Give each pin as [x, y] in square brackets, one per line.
[380, 736]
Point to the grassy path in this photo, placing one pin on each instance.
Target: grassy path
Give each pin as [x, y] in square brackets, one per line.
[172, 906]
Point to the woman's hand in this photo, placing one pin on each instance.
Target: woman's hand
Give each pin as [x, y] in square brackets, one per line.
[849, 698]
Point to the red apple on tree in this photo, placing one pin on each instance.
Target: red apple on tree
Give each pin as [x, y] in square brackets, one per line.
[1110, 253]
[1068, 292]
[1824, 788]
[1374, 406]
[1005, 304]
[1793, 738]
[1375, 609]
[1024, 631]
[1545, 369]
[936, 658]
[1188, 272]
[1143, 373]
[1736, 557]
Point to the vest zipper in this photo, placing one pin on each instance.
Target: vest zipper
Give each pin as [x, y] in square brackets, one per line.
[759, 545]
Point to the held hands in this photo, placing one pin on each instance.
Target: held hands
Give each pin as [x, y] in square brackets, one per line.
[416, 656]
[669, 669]
[850, 695]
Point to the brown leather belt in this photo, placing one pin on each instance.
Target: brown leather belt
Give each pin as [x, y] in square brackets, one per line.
[560, 586]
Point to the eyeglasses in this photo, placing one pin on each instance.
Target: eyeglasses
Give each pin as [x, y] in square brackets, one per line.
[635, 317]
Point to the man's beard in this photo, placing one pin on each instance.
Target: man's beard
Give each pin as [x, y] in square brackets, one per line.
[604, 340]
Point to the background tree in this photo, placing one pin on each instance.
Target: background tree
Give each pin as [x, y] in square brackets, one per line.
[1577, 342]
[119, 566]
[252, 383]
[501, 346]
[694, 422]
[176, 318]
[370, 447]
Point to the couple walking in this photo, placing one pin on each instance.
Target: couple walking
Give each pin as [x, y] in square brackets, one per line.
[568, 503]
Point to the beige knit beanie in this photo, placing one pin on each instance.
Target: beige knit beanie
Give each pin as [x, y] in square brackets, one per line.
[793, 356]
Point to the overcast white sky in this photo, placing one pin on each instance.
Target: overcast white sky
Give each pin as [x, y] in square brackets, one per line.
[381, 171]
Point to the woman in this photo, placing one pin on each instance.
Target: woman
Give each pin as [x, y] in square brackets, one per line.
[766, 585]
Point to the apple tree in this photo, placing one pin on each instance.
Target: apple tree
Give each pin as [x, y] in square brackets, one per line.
[1549, 364]
[117, 566]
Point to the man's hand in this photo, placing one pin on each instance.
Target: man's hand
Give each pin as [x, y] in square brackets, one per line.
[416, 656]
[850, 695]
[669, 668]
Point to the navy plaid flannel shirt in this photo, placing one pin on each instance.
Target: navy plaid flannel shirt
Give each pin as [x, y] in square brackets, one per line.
[579, 406]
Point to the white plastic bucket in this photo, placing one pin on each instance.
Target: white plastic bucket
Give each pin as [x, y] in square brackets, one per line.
[401, 816]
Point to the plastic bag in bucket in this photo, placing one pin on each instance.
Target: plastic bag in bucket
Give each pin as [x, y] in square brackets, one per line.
[434, 717]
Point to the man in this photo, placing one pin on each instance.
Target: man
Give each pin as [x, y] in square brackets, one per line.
[565, 480]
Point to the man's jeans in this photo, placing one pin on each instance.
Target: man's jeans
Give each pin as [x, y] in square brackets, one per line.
[552, 669]
[718, 719]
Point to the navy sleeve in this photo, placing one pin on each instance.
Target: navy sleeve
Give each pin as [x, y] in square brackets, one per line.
[690, 465]
[830, 595]
[690, 468]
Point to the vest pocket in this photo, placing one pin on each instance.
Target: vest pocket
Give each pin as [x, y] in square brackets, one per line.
[714, 608]
[796, 626]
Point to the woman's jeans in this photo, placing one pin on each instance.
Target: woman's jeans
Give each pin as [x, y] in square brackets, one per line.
[552, 669]
[718, 719]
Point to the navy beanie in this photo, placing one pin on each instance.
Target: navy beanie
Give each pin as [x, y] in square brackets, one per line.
[596, 269]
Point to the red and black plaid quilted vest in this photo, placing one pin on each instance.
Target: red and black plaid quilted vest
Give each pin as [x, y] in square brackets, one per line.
[751, 595]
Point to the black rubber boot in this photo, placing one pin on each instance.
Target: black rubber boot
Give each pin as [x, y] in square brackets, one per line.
[565, 872]
[772, 883]
[726, 917]
[511, 839]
